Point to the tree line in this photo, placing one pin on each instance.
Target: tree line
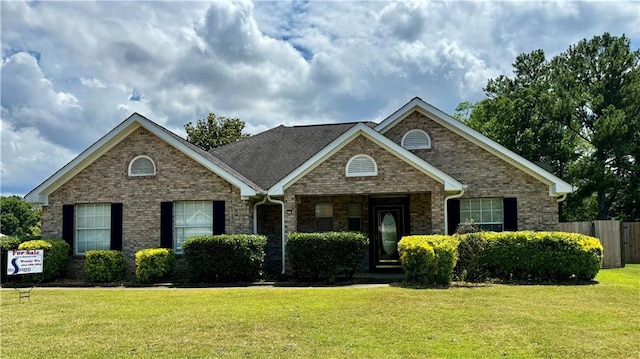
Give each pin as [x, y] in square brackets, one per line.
[579, 113]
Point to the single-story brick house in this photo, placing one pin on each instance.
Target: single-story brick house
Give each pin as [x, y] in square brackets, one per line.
[419, 171]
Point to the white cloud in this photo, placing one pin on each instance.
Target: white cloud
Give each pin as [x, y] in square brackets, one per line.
[71, 70]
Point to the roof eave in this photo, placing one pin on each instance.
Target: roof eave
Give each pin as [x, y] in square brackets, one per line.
[449, 183]
[41, 193]
[557, 187]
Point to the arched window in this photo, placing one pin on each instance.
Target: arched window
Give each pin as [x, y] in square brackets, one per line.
[361, 165]
[142, 166]
[416, 140]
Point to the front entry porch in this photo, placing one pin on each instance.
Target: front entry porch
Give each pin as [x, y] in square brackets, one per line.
[385, 218]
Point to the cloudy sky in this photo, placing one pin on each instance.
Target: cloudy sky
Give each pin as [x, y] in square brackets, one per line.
[71, 71]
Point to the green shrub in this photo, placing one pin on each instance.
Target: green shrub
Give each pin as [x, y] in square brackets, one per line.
[105, 266]
[428, 259]
[225, 258]
[536, 256]
[470, 266]
[7, 243]
[56, 253]
[154, 264]
[326, 254]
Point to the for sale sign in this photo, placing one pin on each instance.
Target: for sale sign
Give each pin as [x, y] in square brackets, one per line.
[25, 261]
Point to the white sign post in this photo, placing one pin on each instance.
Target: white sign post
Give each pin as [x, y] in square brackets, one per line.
[25, 261]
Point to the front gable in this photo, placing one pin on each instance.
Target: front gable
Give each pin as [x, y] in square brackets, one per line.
[119, 134]
[381, 144]
[459, 150]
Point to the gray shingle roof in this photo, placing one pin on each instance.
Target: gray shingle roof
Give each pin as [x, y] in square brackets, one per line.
[269, 156]
[208, 156]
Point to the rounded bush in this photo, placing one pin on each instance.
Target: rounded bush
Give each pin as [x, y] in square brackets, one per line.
[154, 264]
[105, 266]
[428, 259]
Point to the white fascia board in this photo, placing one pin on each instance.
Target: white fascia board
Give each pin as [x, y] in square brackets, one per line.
[557, 186]
[85, 158]
[450, 183]
[41, 193]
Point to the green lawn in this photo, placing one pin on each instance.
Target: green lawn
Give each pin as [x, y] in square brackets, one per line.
[498, 321]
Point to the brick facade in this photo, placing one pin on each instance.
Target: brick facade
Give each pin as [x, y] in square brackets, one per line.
[177, 178]
[328, 183]
[485, 174]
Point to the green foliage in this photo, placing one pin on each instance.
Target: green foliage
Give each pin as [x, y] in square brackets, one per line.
[154, 264]
[225, 258]
[428, 259]
[470, 266]
[326, 254]
[577, 112]
[56, 253]
[18, 218]
[105, 266]
[534, 256]
[214, 132]
[7, 243]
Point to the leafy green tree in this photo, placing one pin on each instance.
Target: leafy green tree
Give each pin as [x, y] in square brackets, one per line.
[215, 131]
[19, 218]
[578, 112]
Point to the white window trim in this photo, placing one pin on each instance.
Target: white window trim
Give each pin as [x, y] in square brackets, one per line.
[481, 210]
[79, 229]
[205, 229]
[144, 174]
[361, 174]
[422, 147]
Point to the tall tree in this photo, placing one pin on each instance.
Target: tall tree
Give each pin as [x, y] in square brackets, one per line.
[215, 131]
[19, 218]
[578, 112]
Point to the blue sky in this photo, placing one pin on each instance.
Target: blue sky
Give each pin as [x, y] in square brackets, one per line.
[71, 71]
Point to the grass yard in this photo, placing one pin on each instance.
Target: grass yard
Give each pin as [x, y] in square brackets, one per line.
[498, 321]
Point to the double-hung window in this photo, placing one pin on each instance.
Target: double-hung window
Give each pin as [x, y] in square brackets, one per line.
[324, 217]
[487, 213]
[191, 218]
[93, 227]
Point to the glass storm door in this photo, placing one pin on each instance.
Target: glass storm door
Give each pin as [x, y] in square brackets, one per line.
[388, 222]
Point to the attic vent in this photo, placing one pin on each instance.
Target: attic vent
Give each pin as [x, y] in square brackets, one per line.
[361, 165]
[416, 140]
[142, 166]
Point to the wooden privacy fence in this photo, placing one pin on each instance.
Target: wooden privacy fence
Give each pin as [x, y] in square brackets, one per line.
[620, 240]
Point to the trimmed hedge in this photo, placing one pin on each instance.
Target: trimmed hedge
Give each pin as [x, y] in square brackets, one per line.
[326, 254]
[531, 256]
[225, 258]
[105, 266]
[154, 264]
[56, 253]
[471, 265]
[428, 259]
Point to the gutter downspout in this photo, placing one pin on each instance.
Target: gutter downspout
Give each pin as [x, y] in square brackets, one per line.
[446, 209]
[266, 199]
[562, 198]
[281, 203]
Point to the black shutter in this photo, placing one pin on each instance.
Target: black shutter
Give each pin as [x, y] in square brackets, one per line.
[453, 215]
[68, 229]
[116, 226]
[166, 224]
[218, 217]
[510, 208]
